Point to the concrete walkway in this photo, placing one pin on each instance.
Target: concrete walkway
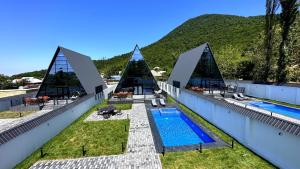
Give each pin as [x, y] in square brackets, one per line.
[140, 149]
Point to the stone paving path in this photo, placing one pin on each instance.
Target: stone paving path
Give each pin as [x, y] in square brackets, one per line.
[140, 149]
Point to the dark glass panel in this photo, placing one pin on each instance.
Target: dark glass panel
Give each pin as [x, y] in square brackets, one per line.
[206, 73]
[137, 77]
[61, 80]
[176, 84]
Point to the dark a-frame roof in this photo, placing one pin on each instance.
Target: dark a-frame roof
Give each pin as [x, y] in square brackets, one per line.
[186, 65]
[83, 67]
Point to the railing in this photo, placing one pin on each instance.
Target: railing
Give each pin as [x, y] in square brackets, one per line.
[22, 108]
[169, 89]
[274, 114]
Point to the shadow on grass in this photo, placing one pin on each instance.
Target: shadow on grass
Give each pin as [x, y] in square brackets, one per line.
[98, 138]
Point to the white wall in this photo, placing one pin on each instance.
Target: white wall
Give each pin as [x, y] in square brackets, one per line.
[281, 150]
[5, 102]
[109, 89]
[280, 93]
[17, 149]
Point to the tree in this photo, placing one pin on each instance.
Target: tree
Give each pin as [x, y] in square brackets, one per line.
[271, 7]
[287, 18]
[294, 52]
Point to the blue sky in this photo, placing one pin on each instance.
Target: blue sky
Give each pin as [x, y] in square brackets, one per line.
[31, 30]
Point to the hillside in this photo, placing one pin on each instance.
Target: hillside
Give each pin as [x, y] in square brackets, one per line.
[37, 74]
[236, 42]
[221, 31]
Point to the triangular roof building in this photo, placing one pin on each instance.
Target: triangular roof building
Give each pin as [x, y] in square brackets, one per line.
[69, 73]
[137, 77]
[196, 67]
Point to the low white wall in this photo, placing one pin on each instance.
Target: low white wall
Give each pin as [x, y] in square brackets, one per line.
[281, 150]
[5, 102]
[280, 93]
[110, 88]
[17, 149]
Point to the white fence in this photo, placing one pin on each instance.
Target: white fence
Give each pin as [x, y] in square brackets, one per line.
[17, 149]
[7, 102]
[280, 148]
[280, 93]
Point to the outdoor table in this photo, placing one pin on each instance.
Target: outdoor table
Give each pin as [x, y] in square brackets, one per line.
[106, 110]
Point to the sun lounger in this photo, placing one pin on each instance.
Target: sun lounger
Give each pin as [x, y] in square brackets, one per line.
[153, 102]
[244, 97]
[162, 102]
[74, 97]
[236, 97]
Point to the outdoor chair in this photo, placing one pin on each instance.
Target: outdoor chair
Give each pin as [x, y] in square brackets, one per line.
[27, 101]
[162, 102]
[45, 98]
[244, 97]
[117, 112]
[153, 102]
[106, 116]
[236, 97]
[106, 110]
[230, 89]
[74, 97]
[102, 111]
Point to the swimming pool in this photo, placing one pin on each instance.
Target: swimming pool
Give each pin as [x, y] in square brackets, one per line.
[176, 129]
[287, 111]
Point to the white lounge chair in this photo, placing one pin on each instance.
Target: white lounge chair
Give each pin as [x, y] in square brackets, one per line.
[242, 96]
[162, 102]
[236, 97]
[74, 97]
[153, 102]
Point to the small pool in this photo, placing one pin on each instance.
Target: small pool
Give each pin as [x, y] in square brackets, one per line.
[287, 111]
[176, 129]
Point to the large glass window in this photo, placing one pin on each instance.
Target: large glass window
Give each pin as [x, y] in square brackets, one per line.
[137, 77]
[206, 73]
[61, 81]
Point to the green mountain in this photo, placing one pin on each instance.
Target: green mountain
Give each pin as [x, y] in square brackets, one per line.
[237, 43]
[221, 31]
[37, 74]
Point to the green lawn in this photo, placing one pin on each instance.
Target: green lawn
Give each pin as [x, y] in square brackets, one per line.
[12, 114]
[239, 157]
[99, 138]
[281, 103]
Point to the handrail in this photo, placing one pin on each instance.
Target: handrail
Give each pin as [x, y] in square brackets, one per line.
[273, 114]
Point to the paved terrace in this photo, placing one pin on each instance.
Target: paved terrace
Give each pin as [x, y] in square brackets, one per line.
[140, 151]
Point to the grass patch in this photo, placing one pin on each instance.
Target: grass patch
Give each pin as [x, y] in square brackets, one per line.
[280, 103]
[239, 157]
[13, 114]
[99, 138]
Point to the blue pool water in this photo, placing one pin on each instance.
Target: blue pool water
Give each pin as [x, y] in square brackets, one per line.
[287, 111]
[176, 129]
